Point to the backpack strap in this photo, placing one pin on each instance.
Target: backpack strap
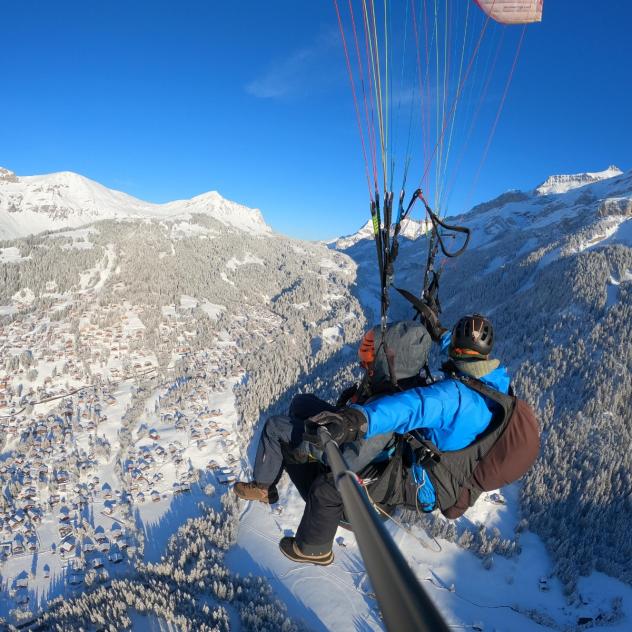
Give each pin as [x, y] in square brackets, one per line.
[506, 402]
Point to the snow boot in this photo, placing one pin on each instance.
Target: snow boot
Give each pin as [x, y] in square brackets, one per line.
[290, 549]
[254, 491]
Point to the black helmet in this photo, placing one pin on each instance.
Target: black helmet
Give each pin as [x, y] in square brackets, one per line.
[473, 335]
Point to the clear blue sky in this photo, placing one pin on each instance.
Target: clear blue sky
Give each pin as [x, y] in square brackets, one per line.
[166, 100]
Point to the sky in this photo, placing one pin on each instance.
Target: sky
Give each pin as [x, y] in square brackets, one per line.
[168, 100]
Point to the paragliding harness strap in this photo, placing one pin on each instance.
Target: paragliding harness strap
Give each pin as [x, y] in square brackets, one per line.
[389, 487]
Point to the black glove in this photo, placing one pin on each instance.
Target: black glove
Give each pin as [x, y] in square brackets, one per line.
[346, 395]
[430, 319]
[429, 315]
[344, 426]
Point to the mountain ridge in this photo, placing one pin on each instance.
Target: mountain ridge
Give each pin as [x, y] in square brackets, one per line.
[33, 204]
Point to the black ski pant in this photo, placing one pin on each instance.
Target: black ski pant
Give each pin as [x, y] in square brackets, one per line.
[282, 436]
[323, 508]
[323, 504]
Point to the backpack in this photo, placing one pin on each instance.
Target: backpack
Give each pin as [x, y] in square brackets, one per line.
[500, 455]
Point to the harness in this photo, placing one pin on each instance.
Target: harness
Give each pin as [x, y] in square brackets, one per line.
[451, 471]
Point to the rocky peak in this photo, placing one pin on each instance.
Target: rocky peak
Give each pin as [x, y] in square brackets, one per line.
[7, 176]
[566, 182]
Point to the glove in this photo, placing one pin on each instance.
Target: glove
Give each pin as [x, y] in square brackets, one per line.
[429, 315]
[344, 426]
[346, 395]
[431, 321]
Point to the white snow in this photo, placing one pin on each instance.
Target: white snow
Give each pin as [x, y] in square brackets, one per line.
[564, 183]
[455, 579]
[183, 229]
[188, 302]
[10, 255]
[612, 288]
[410, 229]
[233, 263]
[621, 233]
[32, 204]
[213, 310]
[23, 297]
[333, 335]
[226, 279]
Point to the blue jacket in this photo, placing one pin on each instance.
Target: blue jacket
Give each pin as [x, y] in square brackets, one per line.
[447, 413]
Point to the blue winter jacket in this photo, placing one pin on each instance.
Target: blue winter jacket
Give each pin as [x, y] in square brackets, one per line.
[447, 413]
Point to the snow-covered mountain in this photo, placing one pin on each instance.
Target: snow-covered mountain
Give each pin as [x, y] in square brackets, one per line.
[590, 209]
[190, 344]
[564, 183]
[32, 204]
[153, 341]
[410, 229]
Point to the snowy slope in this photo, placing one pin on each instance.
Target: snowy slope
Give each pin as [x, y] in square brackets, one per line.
[525, 246]
[564, 183]
[411, 229]
[32, 204]
[565, 215]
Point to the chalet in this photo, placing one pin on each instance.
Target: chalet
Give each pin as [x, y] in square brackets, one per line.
[66, 547]
[64, 531]
[21, 581]
[115, 557]
[117, 532]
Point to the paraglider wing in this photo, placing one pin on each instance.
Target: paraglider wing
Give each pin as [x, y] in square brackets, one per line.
[512, 11]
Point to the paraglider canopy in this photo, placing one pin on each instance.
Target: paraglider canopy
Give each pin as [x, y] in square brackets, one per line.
[512, 11]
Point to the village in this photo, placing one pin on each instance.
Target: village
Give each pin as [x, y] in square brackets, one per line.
[97, 438]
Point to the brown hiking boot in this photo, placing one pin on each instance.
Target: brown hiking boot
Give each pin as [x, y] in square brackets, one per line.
[254, 491]
[291, 550]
